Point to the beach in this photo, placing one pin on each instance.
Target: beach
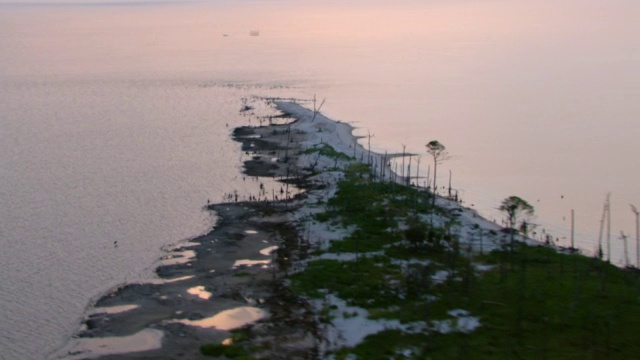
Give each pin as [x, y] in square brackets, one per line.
[234, 274]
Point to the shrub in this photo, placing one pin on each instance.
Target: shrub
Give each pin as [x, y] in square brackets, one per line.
[212, 349]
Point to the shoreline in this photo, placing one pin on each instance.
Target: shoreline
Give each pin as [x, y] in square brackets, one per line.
[240, 264]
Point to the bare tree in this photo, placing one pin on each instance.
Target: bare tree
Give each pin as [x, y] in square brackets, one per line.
[316, 110]
[409, 170]
[637, 214]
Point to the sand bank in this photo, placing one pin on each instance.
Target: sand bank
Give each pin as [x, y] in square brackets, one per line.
[231, 276]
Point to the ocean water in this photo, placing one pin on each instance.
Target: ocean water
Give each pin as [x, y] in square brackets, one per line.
[115, 119]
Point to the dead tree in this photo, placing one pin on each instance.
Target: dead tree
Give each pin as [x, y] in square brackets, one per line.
[316, 111]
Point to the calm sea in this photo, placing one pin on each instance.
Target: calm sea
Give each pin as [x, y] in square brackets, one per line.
[115, 119]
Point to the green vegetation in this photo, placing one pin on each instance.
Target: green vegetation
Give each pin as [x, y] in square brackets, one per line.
[212, 349]
[328, 151]
[515, 207]
[228, 351]
[531, 301]
[233, 351]
[387, 344]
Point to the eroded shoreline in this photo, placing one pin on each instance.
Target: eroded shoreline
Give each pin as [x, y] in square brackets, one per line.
[236, 269]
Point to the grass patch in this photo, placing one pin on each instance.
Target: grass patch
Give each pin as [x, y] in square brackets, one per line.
[228, 351]
[213, 349]
[375, 209]
[240, 334]
[547, 305]
[328, 151]
[534, 304]
[362, 283]
[390, 344]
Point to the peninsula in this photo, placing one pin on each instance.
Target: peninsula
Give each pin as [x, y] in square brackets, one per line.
[350, 260]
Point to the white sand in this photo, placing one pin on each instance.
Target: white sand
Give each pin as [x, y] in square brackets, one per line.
[229, 319]
[89, 348]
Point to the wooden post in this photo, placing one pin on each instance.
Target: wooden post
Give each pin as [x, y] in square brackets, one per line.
[369, 155]
[418, 171]
[403, 150]
[624, 236]
[602, 220]
[409, 170]
[449, 184]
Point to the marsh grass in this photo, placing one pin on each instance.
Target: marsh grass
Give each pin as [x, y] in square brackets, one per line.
[328, 151]
[535, 303]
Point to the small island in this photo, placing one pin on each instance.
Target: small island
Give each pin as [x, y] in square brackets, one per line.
[349, 260]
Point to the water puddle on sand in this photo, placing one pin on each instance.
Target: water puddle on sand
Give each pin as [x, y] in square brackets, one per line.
[229, 319]
[181, 257]
[267, 251]
[145, 340]
[169, 281]
[113, 309]
[246, 262]
[200, 292]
